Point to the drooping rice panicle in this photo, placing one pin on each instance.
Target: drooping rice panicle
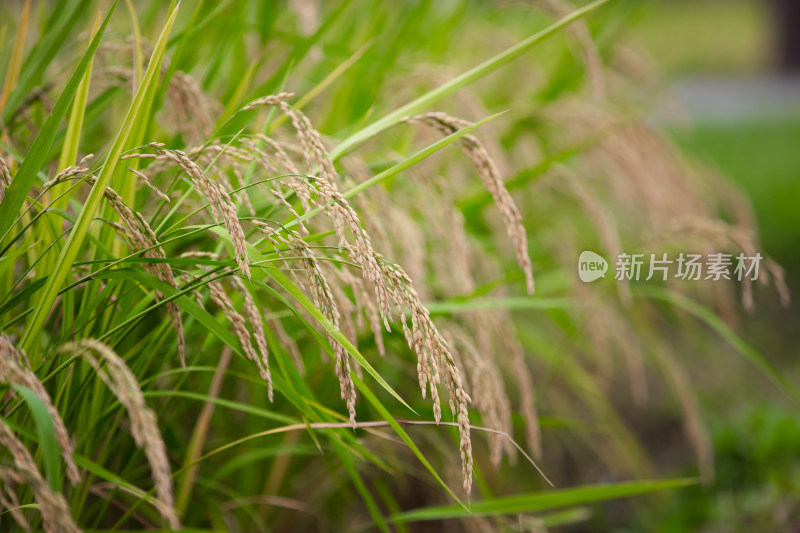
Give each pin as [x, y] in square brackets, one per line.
[289, 344]
[15, 370]
[143, 423]
[70, 172]
[314, 151]
[492, 181]
[324, 300]
[435, 362]
[142, 176]
[487, 391]
[52, 505]
[222, 208]
[218, 295]
[140, 233]
[257, 323]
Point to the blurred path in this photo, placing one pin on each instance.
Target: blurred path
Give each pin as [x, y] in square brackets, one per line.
[732, 99]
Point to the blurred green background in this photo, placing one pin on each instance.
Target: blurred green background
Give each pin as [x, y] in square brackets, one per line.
[738, 111]
[725, 100]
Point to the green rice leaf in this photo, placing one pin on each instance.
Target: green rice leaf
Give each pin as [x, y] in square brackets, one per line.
[46, 431]
[35, 158]
[76, 237]
[465, 79]
[716, 323]
[543, 501]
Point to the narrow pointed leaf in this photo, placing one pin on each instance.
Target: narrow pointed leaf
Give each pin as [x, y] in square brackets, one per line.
[467, 78]
[76, 237]
[26, 175]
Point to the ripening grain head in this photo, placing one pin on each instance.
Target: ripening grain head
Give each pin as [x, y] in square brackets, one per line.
[15, 370]
[52, 505]
[143, 423]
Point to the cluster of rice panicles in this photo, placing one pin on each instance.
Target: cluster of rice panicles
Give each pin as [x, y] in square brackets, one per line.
[222, 208]
[321, 191]
[741, 238]
[434, 359]
[392, 286]
[53, 506]
[492, 181]
[15, 370]
[71, 171]
[111, 368]
[456, 263]
[476, 335]
[258, 352]
[643, 179]
[141, 237]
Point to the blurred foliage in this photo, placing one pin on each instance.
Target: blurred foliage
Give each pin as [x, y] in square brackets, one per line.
[705, 37]
[594, 432]
[757, 486]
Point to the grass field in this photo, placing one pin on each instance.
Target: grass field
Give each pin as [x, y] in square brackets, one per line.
[312, 266]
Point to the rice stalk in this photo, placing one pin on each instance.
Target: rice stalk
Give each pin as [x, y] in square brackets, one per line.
[434, 360]
[257, 323]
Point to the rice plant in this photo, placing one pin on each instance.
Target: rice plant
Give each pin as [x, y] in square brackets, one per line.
[237, 237]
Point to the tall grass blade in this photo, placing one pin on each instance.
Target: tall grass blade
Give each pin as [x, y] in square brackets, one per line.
[542, 501]
[46, 432]
[467, 78]
[26, 175]
[715, 323]
[81, 227]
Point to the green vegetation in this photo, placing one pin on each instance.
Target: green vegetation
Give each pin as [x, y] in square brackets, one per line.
[270, 267]
[705, 28]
